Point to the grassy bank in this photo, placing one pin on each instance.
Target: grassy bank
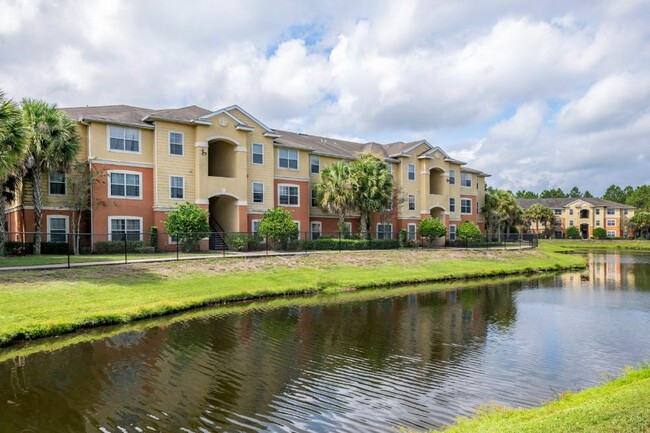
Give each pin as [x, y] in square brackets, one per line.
[620, 406]
[36, 304]
[594, 244]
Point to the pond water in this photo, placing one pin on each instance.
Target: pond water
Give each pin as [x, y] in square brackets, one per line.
[355, 362]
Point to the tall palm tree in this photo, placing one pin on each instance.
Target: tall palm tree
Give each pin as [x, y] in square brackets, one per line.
[372, 184]
[536, 213]
[12, 145]
[335, 193]
[507, 208]
[52, 144]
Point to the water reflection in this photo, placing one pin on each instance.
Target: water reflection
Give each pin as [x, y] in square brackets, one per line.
[416, 360]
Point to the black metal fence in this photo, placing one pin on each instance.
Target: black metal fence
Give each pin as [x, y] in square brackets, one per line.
[62, 248]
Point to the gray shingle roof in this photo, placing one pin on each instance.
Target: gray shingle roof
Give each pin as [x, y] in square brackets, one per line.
[556, 203]
[111, 113]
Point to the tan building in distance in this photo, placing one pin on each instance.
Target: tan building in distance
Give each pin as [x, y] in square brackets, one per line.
[586, 214]
[235, 166]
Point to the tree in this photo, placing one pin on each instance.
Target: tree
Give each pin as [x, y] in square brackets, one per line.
[277, 225]
[12, 146]
[600, 233]
[507, 209]
[640, 198]
[553, 193]
[372, 185]
[573, 232]
[188, 224]
[640, 224]
[491, 218]
[575, 192]
[78, 197]
[469, 232]
[617, 194]
[52, 145]
[526, 194]
[432, 228]
[536, 213]
[334, 192]
[587, 194]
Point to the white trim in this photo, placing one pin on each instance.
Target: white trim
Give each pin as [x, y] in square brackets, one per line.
[471, 206]
[49, 230]
[613, 223]
[241, 203]
[49, 183]
[169, 143]
[408, 231]
[348, 226]
[384, 231]
[125, 163]
[108, 140]
[253, 153]
[312, 231]
[201, 144]
[253, 192]
[241, 149]
[471, 179]
[408, 172]
[253, 221]
[291, 179]
[201, 201]
[297, 159]
[122, 217]
[125, 197]
[298, 224]
[288, 185]
[414, 203]
[222, 138]
[155, 167]
[454, 232]
[311, 164]
[170, 187]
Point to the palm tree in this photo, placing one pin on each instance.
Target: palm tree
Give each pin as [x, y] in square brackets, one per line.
[507, 208]
[492, 220]
[12, 144]
[536, 213]
[52, 144]
[372, 184]
[334, 191]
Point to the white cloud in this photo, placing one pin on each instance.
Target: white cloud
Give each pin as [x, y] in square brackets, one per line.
[15, 14]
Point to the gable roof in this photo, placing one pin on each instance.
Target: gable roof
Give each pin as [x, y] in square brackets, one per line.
[118, 114]
[556, 203]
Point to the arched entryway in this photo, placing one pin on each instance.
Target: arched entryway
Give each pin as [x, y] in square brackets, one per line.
[222, 160]
[438, 212]
[223, 220]
[437, 181]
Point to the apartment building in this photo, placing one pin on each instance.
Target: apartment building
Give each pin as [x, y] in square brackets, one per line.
[230, 163]
[586, 214]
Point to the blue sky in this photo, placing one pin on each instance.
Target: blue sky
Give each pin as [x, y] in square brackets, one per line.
[542, 95]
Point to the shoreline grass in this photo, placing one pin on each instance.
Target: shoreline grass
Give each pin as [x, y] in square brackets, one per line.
[36, 304]
[618, 406]
[569, 245]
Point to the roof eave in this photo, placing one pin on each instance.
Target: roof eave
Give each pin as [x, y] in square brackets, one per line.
[91, 119]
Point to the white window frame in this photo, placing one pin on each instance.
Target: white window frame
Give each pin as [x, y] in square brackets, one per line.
[465, 176]
[311, 164]
[452, 176]
[291, 185]
[122, 217]
[312, 231]
[49, 183]
[452, 204]
[409, 172]
[611, 211]
[125, 197]
[49, 226]
[170, 143]
[570, 211]
[258, 221]
[557, 212]
[570, 223]
[478, 208]
[383, 233]
[348, 226]
[597, 223]
[470, 206]
[411, 235]
[253, 192]
[108, 140]
[313, 197]
[611, 233]
[253, 153]
[625, 211]
[411, 202]
[611, 223]
[170, 188]
[281, 149]
[452, 232]
[597, 211]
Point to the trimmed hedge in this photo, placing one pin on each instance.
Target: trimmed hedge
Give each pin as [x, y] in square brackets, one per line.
[54, 248]
[27, 248]
[117, 247]
[326, 244]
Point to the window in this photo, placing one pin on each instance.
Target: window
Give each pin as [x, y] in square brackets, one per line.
[611, 234]
[348, 227]
[316, 229]
[288, 195]
[570, 211]
[297, 237]
[452, 232]
[452, 204]
[465, 206]
[571, 223]
[314, 163]
[57, 183]
[478, 208]
[557, 211]
[258, 153]
[611, 211]
[124, 184]
[411, 232]
[288, 159]
[597, 211]
[314, 197]
[258, 192]
[124, 139]
[176, 189]
[125, 228]
[411, 202]
[466, 179]
[597, 223]
[452, 177]
[411, 171]
[384, 231]
[176, 143]
[624, 211]
[611, 223]
[255, 226]
[57, 228]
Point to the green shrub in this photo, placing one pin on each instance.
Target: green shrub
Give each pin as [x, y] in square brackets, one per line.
[333, 244]
[153, 237]
[403, 238]
[188, 223]
[600, 233]
[277, 225]
[117, 247]
[54, 248]
[469, 232]
[18, 248]
[573, 232]
[432, 228]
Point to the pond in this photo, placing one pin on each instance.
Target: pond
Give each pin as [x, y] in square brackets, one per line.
[364, 361]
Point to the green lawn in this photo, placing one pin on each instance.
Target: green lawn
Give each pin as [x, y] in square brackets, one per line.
[44, 303]
[620, 406]
[593, 244]
[53, 259]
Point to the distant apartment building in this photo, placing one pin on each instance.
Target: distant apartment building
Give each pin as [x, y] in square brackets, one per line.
[586, 214]
[236, 167]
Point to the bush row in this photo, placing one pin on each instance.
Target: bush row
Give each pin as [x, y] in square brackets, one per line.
[118, 247]
[23, 248]
[348, 244]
